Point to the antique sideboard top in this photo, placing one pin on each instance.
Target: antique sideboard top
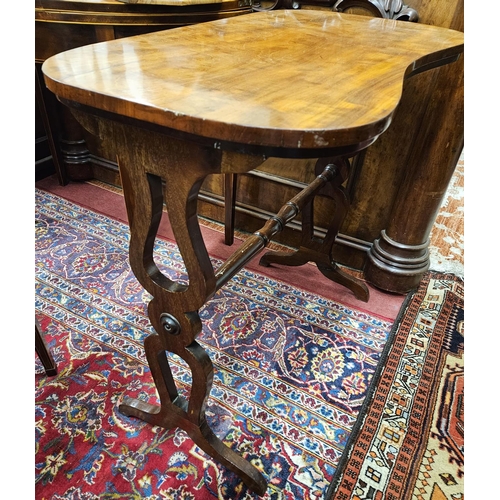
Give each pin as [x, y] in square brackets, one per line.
[116, 5]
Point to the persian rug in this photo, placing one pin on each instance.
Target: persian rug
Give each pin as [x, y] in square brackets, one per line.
[408, 442]
[291, 372]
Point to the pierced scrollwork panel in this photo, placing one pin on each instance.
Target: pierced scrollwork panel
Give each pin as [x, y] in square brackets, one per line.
[389, 9]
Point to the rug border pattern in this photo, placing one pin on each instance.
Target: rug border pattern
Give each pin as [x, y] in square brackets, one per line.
[361, 444]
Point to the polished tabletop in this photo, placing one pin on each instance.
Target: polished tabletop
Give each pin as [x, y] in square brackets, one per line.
[289, 79]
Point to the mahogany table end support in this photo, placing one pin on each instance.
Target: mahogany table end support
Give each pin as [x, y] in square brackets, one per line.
[176, 411]
[147, 162]
[319, 250]
[182, 166]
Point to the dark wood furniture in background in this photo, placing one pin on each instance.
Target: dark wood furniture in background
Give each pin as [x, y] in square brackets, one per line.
[65, 24]
[179, 120]
[397, 186]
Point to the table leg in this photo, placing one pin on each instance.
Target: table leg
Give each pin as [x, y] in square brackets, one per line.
[147, 161]
[319, 251]
[43, 352]
[230, 183]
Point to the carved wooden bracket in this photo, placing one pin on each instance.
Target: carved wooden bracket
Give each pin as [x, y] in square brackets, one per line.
[389, 9]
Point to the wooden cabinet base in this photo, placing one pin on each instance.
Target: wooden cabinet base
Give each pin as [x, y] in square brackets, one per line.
[396, 267]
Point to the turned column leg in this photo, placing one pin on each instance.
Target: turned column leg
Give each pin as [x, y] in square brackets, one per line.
[68, 148]
[399, 257]
[319, 251]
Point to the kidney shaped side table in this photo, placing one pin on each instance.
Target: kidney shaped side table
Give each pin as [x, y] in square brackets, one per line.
[220, 97]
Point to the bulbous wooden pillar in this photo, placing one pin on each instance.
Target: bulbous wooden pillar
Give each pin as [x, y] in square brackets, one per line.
[399, 257]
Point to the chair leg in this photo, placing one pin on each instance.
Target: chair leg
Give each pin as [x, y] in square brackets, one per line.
[43, 352]
[230, 181]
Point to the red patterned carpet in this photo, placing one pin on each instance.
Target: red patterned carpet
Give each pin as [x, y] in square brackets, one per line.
[409, 438]
[112, 204]
[383, 418]
[292, 369]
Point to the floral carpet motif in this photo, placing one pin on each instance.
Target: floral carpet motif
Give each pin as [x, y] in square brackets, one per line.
[409, 441]
[291, 373]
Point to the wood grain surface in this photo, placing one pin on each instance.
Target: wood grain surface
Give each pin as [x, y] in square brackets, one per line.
[292, 79]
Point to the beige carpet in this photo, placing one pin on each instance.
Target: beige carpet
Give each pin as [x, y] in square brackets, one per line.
[447, 235]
